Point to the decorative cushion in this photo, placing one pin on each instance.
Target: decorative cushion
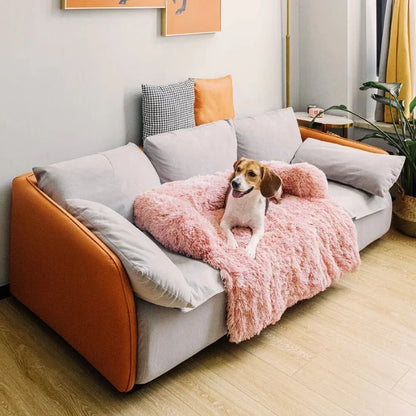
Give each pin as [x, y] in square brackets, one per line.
[114, 178]
[273, 135]
[168, 107]
[213, 99]
[371, 172]
[152, 274]
[197, 151]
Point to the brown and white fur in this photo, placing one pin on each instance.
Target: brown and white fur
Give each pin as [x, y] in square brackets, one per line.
[251, 185]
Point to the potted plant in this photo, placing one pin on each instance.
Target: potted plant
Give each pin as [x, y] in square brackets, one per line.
[403, 140]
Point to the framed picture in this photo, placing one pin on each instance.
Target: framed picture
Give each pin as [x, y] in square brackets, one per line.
[184, 17]
[111, 4]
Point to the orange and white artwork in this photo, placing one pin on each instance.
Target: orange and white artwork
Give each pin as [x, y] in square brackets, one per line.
[111, 4]
[183, 17]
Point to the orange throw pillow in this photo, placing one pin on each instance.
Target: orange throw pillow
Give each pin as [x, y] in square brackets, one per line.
[213, 99]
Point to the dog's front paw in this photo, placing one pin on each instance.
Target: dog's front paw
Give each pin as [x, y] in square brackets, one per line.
[251, 251]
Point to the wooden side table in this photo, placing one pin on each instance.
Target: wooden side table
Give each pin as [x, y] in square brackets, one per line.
[328, 121]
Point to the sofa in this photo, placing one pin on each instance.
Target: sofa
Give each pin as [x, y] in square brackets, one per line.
[77, 284]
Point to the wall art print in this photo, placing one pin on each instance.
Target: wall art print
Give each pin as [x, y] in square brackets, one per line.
[111, 4]
[184, 17]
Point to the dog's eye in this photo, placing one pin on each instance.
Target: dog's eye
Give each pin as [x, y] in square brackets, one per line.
[238, 169]
[251, 173]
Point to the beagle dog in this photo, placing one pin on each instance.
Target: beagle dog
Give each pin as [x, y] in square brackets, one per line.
[251, 186]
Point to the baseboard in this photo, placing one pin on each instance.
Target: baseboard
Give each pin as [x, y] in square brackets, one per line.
[4, 291]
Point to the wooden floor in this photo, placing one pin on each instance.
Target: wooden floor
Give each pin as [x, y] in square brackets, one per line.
[349, 351]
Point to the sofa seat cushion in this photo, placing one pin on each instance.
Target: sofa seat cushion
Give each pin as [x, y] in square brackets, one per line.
[153, 276]
[113, 178]
[273, 135]
[358, 204]
[200, 150]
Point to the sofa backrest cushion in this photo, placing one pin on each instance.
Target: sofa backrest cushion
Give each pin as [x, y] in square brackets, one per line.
[373, 173]
[153, 276]
[273, 135]
[114, 178]
[200, 150]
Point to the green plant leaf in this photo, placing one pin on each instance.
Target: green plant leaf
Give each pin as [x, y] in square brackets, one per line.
[412, 148]
[392, 88]
[341, 107]
[373, 135]
[412, 105]
[388, 101]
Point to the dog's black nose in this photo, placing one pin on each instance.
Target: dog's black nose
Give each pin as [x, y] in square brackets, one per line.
[235, 183]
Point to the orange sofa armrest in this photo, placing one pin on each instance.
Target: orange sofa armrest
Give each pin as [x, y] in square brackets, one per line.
[307, 132]
[72, 281]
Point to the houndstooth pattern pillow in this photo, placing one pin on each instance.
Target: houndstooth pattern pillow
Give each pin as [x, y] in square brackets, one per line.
[168, 107]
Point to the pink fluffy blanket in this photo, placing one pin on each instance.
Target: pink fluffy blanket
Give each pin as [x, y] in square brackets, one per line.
[309, 242]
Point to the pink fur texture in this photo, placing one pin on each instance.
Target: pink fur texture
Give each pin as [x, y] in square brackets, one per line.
[309, 242]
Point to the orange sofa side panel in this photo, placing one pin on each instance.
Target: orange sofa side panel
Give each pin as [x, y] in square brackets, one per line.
[306, 132]
[73, 282]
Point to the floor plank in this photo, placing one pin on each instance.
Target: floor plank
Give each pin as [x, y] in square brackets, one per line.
[337, 383]
[406, 387]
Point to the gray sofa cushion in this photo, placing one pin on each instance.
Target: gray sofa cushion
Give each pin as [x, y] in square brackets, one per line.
[168, 107]
[358, 204]
[371, 172]
[273, 135]
[373, 226]
[114, 178]
[200, 150]
[152, 274]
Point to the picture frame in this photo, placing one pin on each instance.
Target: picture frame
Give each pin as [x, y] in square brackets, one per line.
[185, 17]
[111, 4]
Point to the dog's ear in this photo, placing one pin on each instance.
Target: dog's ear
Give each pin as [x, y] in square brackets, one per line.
[270, 183]
[237, 162]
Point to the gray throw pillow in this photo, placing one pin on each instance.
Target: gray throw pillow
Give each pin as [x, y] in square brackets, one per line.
[168, 107]
[201, 150]
[114, 178]
[152, 274]
[273, 135]
[372, 172]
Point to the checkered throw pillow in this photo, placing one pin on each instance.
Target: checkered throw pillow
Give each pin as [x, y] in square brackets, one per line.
[168, 107]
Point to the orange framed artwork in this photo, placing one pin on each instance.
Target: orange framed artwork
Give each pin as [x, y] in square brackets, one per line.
[111, 4]
[183, 17]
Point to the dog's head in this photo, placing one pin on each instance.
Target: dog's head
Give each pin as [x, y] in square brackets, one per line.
[250, 174]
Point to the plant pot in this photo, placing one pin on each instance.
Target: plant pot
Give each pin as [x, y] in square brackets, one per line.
[404, 214]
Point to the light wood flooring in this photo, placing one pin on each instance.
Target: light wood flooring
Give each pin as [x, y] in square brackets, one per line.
[349, 351]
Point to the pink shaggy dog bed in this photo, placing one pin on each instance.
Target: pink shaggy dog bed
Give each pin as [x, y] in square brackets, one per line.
[309, 242]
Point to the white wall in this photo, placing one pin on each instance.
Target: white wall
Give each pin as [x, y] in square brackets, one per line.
[362, 54]
[70, 79]
[322, 53]
[332, 53]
